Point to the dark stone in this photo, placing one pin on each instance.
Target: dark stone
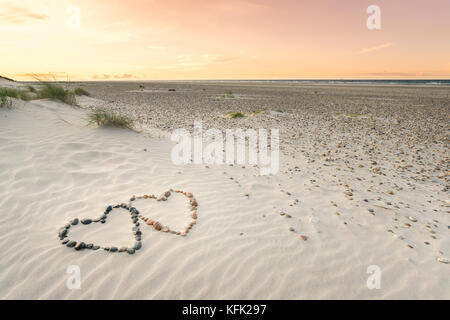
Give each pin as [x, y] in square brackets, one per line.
[62, 232]
[90, 245]
[86, 221]
[137, 245]
[137, 224]
[108, 209]
[75, 221]
[130, 250]
[80, 245]
[95, 247]
[102, 221]
[113, 249]
[138, 232]
[71, 244]
[67, 226]
[104, 217]
[65, 241]
[106, 248]
[135, 229]
[138, 238]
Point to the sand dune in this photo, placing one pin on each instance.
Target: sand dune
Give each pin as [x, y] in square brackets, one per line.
[53, 167]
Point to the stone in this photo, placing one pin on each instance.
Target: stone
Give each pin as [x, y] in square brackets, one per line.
[95, 247]
[71, 244]
[149, 222]
[123, 249]
[304, 238]
[194, 216]
[65, 241]
[109, 208]
[443, 260]
[79, 246]
[86, 221]
[137, 245]
[167, 194]
[74, 221]
[89, 245]
[130, 250]
[157, 225]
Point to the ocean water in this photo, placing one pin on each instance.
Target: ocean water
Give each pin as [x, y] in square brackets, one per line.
[354, 81]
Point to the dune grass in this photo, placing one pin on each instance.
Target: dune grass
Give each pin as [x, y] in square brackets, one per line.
[5, 102]
[81, 92]
[235, 115]
[108, 118]
[15, 93]
[56, 92]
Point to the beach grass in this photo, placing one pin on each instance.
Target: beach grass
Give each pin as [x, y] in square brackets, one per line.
[108, 118]
[5, 102]
[235, 115]
[15, 93]
[56, 92]
[81, 92]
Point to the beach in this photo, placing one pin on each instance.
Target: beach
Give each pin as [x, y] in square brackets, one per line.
[363, 181]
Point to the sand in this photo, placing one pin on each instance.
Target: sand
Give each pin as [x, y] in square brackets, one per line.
[247, 242]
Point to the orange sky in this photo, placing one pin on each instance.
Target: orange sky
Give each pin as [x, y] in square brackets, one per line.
[224, 39]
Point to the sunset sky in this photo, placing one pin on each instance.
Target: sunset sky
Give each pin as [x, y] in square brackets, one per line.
[224, 39]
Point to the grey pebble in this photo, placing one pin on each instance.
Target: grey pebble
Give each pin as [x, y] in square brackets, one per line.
[75, 221]
[79, 246]
[130, 250]
[86, 221]
[71, 244]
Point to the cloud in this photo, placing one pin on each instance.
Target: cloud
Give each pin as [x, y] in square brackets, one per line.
[382, 46]
[116, 76]
[16, 14]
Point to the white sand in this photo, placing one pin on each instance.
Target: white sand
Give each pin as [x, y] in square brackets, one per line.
[54, 168]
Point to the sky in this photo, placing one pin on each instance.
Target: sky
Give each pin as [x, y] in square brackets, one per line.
[223, 39]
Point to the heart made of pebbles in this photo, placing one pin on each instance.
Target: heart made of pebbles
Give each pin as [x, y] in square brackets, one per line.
[135, 216]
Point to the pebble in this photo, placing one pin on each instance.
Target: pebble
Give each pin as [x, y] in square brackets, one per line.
[304, 238]
[79, 246]
[122, 249]
[130, 250]
[74, 221]
[443, 260]
[71, 244]
[86, 221]
[157, 225]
